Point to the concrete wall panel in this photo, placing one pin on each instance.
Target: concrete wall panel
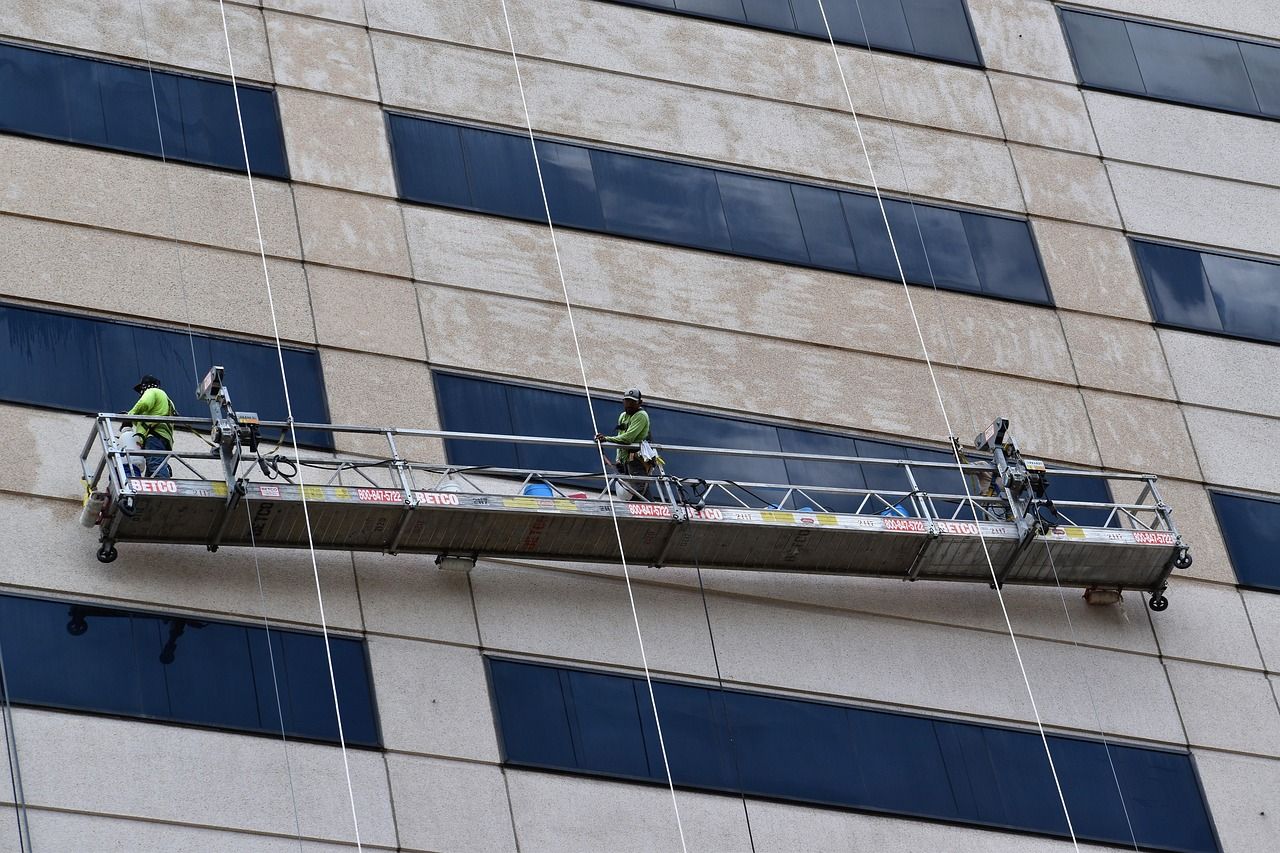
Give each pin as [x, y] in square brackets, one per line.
[117, 767]
[68, 831]
[1041, 112]
[1207, 623]
[1022, 37]
[1244, 795]
[1226, 708]
[1196, 208]
[145, 196]
[1117, 355]
[563, 615]
[407, 595]
[1234, 449]
[183, 34]
[326, 57]
[1065, 186]
[1185, 138]
[567, 815]
[377, 391]
[152, 280]
[450, 805]
[174, 576]
[347, 11]
[336, 142]
[435, 699]
[1091, 270]
[1143, 436]
[348, 230]
[1264, 616]
[1213, 371]
[372, 314]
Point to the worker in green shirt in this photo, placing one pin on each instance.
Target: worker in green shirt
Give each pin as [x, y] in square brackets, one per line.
[155, 436]
[633, 428]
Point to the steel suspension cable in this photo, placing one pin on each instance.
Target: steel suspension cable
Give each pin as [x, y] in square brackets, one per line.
[15, 767]
[968, 402]
[293, 436]
[275, 681]
[933, 378]
[168, 183]
[733, 743]
[582, 369]
[1093, 703]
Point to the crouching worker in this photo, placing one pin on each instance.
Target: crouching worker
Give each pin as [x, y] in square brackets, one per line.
[155, 436]
[633, 428]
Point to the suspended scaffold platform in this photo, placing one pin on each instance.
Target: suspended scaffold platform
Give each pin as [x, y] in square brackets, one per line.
[236, 494]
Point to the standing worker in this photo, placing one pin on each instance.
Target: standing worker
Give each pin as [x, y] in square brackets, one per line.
[633, 428]
[155, 436]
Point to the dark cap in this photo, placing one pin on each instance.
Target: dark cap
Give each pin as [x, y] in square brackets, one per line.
[147, 381]
[633, 394]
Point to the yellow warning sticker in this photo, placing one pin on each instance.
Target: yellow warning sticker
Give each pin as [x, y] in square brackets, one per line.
[565, 504]
[827, 518]
[342, 493]
[1074, 532]
[777, 516]
[313, 493]
[219, 489]
[520, 503]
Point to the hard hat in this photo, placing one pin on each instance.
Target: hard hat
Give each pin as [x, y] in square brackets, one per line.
[147, 381]
[633, 394]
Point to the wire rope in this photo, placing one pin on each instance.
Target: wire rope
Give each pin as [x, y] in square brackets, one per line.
[168, 183]
[933, 378]
[733, 743]
[293, 436]
[15, 767]
[1097, 717]
[968, 403]
[577, 346]
[275, 681]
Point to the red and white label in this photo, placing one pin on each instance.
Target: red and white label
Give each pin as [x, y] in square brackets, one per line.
[156, 487]
[269, 491]
[962, 528]
[644, 510]
[909, 525]
[1153, 537]
[437, 498]
[380, 495]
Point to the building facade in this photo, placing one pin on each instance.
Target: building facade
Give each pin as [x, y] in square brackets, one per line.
[1083, 201]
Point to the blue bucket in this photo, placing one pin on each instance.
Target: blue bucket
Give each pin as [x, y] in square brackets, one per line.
[537, 490]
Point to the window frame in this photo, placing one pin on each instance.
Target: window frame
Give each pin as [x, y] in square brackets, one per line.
[979, 64]
[149, 611]
[683, 680]
[1133, 239]
[911, 200]
[1217, 518]
[1146, 96]
[156, 68]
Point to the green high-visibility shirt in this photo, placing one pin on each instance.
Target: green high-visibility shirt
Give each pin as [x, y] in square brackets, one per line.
[154, 402]
[632, 429]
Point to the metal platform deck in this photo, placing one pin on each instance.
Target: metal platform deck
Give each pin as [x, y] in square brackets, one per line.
[224, 494]
[539, 528]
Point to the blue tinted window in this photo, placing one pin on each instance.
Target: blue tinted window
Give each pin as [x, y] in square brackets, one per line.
[657, 200]
[714, 209]
[1102, 51]
[468, 404]
[826, 234]
[1263, 64]
[183, 669]
[1175, 64]
[429, 162]
[762, 217]
[1005, 256]
[1212, 292]
[814, 752]
[110, 105]
[940, 28]
[937, 29]
[1187, 66]
[503, 178]
[88, 364]
[1251, 528]
[571, 185]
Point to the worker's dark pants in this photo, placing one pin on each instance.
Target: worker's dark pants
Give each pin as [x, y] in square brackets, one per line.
[635, 468]
[157, 466]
